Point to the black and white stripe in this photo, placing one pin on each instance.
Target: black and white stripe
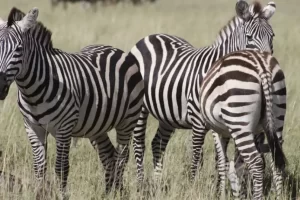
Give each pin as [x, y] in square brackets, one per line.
[83, 94]
[242, 93]
[173, 71]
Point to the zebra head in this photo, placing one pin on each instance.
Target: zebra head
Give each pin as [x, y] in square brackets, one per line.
[11, 46]
[256, 31]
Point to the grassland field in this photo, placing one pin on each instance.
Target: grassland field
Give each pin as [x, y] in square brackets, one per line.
[122, 25]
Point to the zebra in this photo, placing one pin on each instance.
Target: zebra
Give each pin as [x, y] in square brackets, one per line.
[84, 3]
[173, 69]
[83, 94]
[240, 94]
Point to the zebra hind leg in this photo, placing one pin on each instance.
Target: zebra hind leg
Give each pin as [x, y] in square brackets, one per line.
[222, 164]
[106, 150]
[277, 175]
[244, 141]
[277, 179]
[199, 132]
[159, 145]
[139, 145]
[239, 177]
[121, 156]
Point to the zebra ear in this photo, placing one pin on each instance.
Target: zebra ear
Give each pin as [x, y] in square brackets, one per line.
[29, 20]
[269, 10]
[242, 10]
[14, 15]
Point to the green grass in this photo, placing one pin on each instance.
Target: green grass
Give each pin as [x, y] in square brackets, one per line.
[198, 21]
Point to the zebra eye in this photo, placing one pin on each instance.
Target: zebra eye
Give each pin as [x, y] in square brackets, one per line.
[249, 37]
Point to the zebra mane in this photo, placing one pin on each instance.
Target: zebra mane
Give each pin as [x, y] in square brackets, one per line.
[255, 11]
[39, 31]
[227, 30]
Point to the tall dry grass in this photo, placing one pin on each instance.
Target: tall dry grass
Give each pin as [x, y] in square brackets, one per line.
[198, 21]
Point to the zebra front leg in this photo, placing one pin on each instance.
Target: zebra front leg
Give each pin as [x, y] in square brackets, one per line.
[159, 145]
[63, 143]
[199, 132]
[38, 140]
[139, 145]
[106, 151]
[245, 144]
[222, 164]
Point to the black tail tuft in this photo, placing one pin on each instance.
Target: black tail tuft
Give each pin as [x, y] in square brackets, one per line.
[276, 151]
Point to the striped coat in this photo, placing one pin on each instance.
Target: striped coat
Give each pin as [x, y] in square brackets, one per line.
[243, 92]
[83, 94]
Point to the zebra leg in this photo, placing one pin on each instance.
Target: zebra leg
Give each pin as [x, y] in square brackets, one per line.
[106, 155]
[222, 164]
[277, 175]
[239, 182]
[159, 145]
[279, 107]
[121, 157]
[63, 143]
[199, 132]
[139, 144]
[248, 151]
[38, 140]
[277, 179]
[124, 133]
[237, 176]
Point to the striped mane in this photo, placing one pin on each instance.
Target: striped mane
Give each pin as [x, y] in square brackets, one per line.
[39, 32]
[227, 30]
[255, 11]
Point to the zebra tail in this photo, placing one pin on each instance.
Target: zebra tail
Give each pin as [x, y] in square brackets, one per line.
[269, 123]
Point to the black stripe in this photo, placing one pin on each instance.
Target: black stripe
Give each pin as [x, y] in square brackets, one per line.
[283, 105]
[240, 104]
[226, 112]
[236, 122]
[280, 92]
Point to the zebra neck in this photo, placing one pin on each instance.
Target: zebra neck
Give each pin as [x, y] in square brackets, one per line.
[227, 47]
[217, 50]
[214, 53]
[37, 78]
[229, 31]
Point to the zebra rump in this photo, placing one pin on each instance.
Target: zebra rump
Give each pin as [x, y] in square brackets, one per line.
[240, 95]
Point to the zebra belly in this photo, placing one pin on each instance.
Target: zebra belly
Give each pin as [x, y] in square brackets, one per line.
[98, 119]
[40, 115]
[169, 116]
[85, 120]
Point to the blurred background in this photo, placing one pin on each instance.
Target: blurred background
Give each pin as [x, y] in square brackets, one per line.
[122, 23]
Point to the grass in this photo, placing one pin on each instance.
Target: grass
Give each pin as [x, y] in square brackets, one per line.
[198, 21]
